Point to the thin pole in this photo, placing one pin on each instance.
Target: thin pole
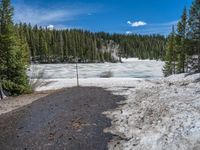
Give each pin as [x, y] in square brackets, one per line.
[77, 76]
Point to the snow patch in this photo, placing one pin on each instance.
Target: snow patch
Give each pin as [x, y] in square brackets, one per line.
[158, 114]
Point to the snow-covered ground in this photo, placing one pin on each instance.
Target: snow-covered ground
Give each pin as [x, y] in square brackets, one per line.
[130, 68]
[158, 114]
[57, 76]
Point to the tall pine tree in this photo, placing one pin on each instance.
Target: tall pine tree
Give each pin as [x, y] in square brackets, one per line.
[180, 42]
[169, 67]
[13, 53]
[194, 35]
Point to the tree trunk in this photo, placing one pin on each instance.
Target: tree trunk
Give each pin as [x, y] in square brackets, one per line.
[198, 65]
[186, 64]
[2, 95]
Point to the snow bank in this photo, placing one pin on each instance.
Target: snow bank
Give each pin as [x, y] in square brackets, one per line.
[54, 84]
[137, 59]
[157, 115]
[131, 68]
[56, 76]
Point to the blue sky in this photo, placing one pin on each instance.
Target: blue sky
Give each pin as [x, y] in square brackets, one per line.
[113, 16]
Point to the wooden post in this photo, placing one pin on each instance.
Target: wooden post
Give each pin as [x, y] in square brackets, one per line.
[77, 75]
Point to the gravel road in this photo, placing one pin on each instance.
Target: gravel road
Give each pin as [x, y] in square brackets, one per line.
[70, 119]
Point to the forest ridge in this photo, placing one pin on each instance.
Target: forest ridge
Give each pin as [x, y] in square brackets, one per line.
[54, 46]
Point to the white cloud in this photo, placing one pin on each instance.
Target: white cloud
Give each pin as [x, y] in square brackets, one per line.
[129, 32]
[50, 27]
[163, 28]
[128, 22]
[137, 23]
[46, 16]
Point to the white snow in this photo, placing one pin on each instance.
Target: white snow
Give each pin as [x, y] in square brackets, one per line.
[131, 68]
[158, 114]
[56, 76]
[55, 84]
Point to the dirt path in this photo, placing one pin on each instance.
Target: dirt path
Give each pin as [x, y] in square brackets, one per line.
[13, 103]
[70, 119]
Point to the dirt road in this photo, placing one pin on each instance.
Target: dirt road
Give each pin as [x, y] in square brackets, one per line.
[67, 120]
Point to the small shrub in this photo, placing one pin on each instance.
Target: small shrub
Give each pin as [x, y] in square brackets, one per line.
[37, 79]
[107, 74]
[14, 89]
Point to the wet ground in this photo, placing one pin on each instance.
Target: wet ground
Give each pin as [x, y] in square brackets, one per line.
[70, 119]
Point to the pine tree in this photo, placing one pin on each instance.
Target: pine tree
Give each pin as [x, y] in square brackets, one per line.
[43, 46]
[170, 55]
[194, 34]
[65, 47]
[13, 53]
[180, 41]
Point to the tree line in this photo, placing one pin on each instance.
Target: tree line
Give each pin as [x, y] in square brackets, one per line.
[183, 46]
[142, 46]
[57, 46]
